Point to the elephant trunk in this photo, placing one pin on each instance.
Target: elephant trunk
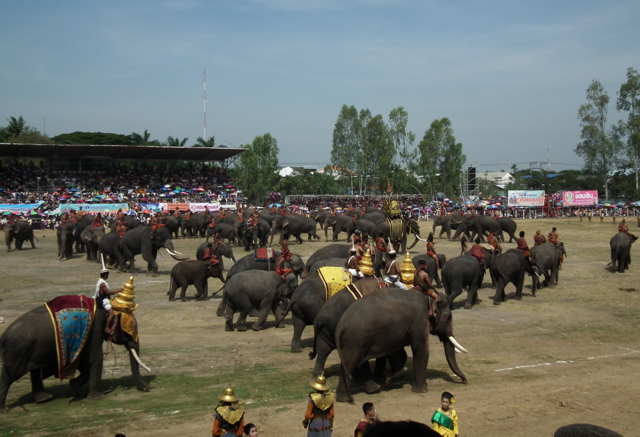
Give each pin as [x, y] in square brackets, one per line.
[305, 273]
[449, 351]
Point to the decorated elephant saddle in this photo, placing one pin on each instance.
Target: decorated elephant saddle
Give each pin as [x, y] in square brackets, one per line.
[365, 286]
[334, 279]
[265, 254]
[396, 228]
[72, 317]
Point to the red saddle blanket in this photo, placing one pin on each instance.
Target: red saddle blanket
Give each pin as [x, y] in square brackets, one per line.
[266, 254]
[72, 317]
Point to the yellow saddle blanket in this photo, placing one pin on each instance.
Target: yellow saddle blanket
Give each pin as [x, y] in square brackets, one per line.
[334, 280]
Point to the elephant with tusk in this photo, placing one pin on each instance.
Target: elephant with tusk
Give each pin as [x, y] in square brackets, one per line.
[142, 240]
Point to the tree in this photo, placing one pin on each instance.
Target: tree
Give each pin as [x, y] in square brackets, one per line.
[257, 173]
[16, 126]
[403, 149]
[201, 142]
[599, 148]
[175, 142]
[629, 100]
[440, 158]
[376, 157]
[345, 151]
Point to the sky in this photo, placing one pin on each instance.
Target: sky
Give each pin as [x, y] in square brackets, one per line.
[510, 75]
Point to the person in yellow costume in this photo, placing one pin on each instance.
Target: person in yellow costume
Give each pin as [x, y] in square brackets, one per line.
[445, 419]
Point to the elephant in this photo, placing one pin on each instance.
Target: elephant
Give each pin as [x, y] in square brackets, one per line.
[276, 227]
[364, 225]
[447, 223]
[92, 236]
[489, 257]
[173, 224]
[410, 227]
[109, 246]
[374, 216]
[320, 217]
[477, 225]
[141, 240]
[432, 269]
[509, 226]
[65, 236]
[336, 250]
[226, 231]
[326, 322]
[620, 252]
[256, 290]
[402, 316]
[249, 263]
[296, 225]
[329, 262]
[223, 250]
[29, 345]
[584, 430]
[196, 225]
[340, 223]
[79, 226]
[547, 258]
[193, 272]
[460, 272]
[255, 236]
[20, 231]
[509, 267]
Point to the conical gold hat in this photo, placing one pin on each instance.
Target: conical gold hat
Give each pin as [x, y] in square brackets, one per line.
[320, 383]
[124, 301]
[228, 395]
[407, 270]
[366, 265]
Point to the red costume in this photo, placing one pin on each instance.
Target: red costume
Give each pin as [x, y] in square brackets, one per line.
[524, 247]
[478, 251]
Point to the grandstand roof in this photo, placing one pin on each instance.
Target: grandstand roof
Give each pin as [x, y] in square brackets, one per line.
[149, 153]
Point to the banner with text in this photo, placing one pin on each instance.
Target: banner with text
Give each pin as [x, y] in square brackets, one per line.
[22, 208]
[526, 198]
[94, 207]
[579, 198]
[193, 207]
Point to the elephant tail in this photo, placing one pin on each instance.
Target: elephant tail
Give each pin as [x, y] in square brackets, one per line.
[314, 351]
[284, 314]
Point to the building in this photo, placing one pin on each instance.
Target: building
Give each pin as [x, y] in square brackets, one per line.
[499, 178]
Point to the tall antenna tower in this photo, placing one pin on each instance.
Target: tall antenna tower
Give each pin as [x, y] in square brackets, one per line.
[548, 160]
[204, 95]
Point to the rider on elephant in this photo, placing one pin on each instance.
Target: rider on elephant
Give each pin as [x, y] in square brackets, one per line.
[97, 222]
[493, 241]
[422, 283]
[352, 264]
[478, 251]
[102, 299]
[318, 419]
[622, 227]
[285, 256]
[553, 236]
[73, 217]
[431, 250]
[229, 418]
[209, 255]
[392, 272]
[365, 240]
[538, 239]
[253, 221]
[524, 248]
[155, 224]
[217, 241]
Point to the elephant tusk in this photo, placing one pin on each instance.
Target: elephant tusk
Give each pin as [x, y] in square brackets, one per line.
[179, 253]
[457, 345]
[420, 238]
[170, 253]
[135, 355]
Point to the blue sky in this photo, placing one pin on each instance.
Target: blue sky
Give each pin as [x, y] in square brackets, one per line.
[510, 75]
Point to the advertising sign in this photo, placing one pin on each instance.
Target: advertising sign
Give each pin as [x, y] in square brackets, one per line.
[21, 208]
[526, 198]
[200, 207]
[579, 198]
[94, 207]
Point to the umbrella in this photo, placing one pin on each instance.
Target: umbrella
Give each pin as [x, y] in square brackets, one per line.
[200, 189]
[146, 211]
[176, 191]
[168, 186]
[194, 189]
[165, 188]
[607, 204]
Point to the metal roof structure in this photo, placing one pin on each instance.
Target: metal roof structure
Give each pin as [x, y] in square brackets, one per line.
[147, 153]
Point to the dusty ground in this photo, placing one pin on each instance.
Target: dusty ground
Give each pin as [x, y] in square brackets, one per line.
[569, 355]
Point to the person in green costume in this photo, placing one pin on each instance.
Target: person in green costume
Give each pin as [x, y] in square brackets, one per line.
[445, 419]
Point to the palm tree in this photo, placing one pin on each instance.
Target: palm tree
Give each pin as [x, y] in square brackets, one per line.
[140, 140]
[210, 142]
[16, 126]
[175, 142]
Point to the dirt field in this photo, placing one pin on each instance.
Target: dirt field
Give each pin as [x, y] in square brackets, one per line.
[569, 355]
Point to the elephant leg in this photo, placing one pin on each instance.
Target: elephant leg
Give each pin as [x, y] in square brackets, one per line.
[37, 387]
[183, 292]
[298, 327]
[420, 350]
[229, 317]
[221, 308]
[242, 319]
[343, 392]
[262, 317]
[472, 296]
[499, 296]
[172, 291]
[5, 383]
[519, 285]
[322, 350]
[277, 313]
[397, 362]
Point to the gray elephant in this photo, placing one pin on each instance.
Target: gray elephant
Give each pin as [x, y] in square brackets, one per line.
[65, 235]
[28, 346]
[227, 232]
[447, 223]
[141, 240]
[364, 225]
[410, 226]
[320, 217]
[223, 250]
[584, 430]
[547, 258]
[194, 273]
[340, 223]
[459, 273]
[173, 224]
[92, 236]
[620, 251]
[477, 225]
[490, 255]
[432, 268]
[259, 290]
[196, 225]
[402, 316]
[374, 216]
[297, 225]
[109, 247]
[509, 226]
[19, 232]
[510, 267]
[79, 226]
[336, 250]
[255, 236]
